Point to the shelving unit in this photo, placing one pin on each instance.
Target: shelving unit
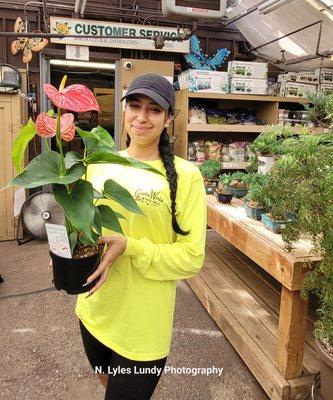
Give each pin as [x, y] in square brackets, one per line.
[266, 108]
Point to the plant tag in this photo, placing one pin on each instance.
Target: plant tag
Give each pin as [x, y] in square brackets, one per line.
[58, 240]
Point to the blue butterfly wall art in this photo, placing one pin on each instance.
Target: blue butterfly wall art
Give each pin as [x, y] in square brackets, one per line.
[197, 60]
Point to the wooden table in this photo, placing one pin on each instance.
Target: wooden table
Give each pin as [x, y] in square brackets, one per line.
[266, 249]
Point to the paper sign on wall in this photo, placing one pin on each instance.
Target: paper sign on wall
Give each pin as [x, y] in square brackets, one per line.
[58, 240]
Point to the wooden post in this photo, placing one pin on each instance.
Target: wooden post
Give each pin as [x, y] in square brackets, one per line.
[291, 333]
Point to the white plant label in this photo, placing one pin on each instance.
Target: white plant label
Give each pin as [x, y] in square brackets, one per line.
[58, 240]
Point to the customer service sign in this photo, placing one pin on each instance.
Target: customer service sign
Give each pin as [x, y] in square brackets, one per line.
[111, 34]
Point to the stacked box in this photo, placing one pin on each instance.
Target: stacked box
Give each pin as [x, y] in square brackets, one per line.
[325, 75]
[325, 88]
[204, 81]
[248, 86]
[300, 77]
[294, 89]
[247, 69]
[248, 77]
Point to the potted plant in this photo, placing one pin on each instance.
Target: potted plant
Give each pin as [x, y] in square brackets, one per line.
[267, 146]
[223, 193]
[84, 218]
[317, 109]
[239, 184]
[304, 182]
[253, 207]
[209, 170]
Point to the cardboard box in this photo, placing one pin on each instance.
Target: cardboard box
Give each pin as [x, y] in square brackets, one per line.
[294, 89]
[247, 69]
[300, 77]
[105, 99]
[325, 88]
[204, 81]
[248, 86]
[325, 75]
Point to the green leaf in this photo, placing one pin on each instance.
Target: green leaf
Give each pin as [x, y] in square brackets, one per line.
[118, 215]
[97, 223]
[97, 140]
[109, 218]
[103, 136]
[72, 240]
[78, 206]
[71, 158]
[45, 169]
[116, 158]
[112, 190]
[85, 240]
[50, 113]
[21, 142]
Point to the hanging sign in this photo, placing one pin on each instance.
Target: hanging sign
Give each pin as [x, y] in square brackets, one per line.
[137, 36]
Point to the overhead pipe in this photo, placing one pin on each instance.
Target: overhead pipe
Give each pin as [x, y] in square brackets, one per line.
[77, 6]
[271, 5]
[83, 7]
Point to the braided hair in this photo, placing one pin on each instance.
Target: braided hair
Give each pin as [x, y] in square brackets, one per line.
[168, 158]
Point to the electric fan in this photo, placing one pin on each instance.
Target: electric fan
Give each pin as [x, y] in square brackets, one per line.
[39, 209]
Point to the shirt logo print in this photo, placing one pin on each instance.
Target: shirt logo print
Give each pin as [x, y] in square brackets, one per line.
[152, 198]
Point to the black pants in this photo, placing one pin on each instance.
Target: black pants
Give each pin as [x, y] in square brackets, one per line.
[128, 379]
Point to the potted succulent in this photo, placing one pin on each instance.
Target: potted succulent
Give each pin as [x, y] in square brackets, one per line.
[303, 185]
[209, 170]
[223, 192]
[83, 216]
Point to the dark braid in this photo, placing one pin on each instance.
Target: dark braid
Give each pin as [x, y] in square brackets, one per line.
[167, 156]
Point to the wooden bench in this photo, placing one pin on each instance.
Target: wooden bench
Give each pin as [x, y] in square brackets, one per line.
[263, 318]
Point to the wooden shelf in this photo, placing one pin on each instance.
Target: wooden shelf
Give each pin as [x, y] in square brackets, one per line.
[229, 165]
[247, 97]
[226, 128]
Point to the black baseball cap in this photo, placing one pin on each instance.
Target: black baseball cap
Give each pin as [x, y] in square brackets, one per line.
[154, 86]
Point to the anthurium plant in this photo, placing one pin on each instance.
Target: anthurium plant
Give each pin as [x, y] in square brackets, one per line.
[84, 217]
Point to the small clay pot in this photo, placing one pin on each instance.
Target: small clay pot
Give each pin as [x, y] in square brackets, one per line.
[224, 198]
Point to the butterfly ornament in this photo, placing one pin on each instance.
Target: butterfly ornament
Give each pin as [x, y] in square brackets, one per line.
[26, 44]
[197, 60]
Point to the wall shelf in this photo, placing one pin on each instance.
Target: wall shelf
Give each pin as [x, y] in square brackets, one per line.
[226, 128]
[265, 107]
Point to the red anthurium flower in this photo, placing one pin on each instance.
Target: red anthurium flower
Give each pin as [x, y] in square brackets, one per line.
[46, 126]
[67, 127]
[76, 98]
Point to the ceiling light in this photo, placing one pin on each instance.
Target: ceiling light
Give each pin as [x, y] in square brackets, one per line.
[83, 64]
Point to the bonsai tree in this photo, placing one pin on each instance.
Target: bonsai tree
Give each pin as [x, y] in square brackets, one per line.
[84, 217]
[239, 180]
[223, 186]
[301, 183]
[255, 194]
[317, 108]
[270, 141]
[210, 169]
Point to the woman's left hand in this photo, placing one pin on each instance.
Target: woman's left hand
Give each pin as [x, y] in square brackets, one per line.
[116, 247]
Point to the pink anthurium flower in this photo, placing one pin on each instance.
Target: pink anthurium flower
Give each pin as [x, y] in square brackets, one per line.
[76, 98]
[46, 126]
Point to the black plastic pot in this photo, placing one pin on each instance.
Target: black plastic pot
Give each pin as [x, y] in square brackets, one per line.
[70, 274]
[224, 198]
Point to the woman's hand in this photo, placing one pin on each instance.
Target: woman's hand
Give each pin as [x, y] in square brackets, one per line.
[116, 247]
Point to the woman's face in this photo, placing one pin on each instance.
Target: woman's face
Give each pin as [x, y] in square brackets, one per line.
[144, 119]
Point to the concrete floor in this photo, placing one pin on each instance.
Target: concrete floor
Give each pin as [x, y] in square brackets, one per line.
[41, 355]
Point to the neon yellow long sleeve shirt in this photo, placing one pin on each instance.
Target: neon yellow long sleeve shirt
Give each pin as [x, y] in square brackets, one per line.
[132, 312]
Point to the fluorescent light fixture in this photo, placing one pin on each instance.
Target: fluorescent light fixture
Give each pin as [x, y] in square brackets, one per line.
[82, 64]
[272, 5]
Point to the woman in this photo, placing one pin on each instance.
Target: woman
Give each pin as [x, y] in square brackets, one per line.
[126, 319]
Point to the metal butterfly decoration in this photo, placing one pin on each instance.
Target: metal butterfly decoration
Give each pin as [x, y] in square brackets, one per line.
[197, 60]
[26, 44]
